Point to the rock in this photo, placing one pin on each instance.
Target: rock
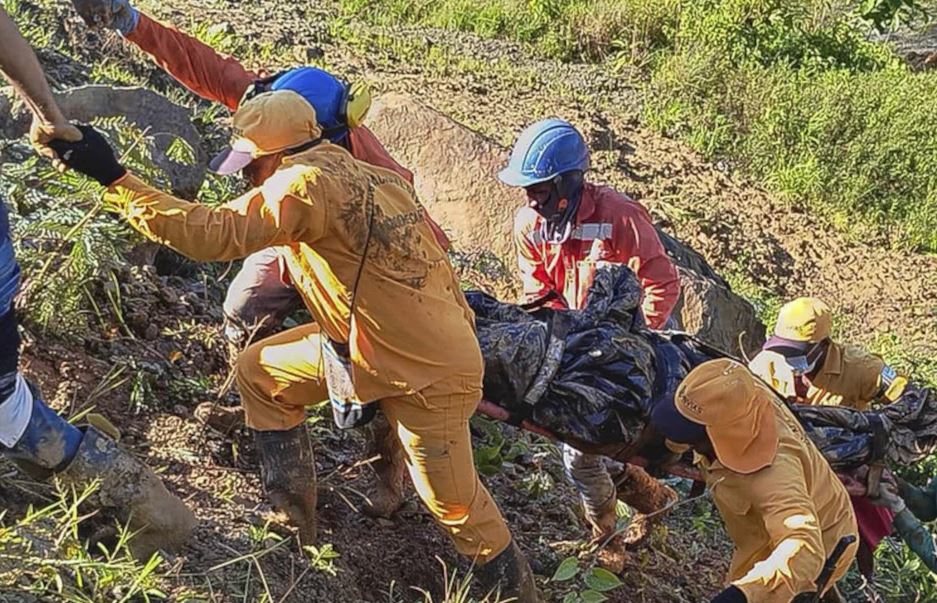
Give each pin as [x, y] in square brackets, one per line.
[148, 110]
[455, 174]
[712, 312]
[151, 333]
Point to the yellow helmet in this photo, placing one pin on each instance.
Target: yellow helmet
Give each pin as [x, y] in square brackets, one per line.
[805, 319]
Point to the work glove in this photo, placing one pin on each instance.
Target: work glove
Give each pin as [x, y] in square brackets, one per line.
[888, 495]
[112, 14]
[92, 156]
[730, 594]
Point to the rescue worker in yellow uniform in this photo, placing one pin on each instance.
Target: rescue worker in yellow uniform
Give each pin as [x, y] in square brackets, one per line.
[782, 505]
[390, 318]
[803, 364]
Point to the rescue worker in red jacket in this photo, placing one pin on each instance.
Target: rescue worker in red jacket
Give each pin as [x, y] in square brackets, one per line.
[261, 295]
[568, 228]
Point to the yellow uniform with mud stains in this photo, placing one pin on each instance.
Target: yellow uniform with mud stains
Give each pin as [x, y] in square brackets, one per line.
[412, 339]
[784, 519]
[850, 377]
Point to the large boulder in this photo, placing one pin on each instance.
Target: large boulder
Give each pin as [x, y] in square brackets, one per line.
[455, 171]
[715, 314]
[150, 111]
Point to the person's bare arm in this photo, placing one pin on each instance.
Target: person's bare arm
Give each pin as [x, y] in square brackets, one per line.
[19, 65]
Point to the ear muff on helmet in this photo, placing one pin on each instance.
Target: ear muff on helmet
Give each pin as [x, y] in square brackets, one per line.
[357, 104]
[353, 106]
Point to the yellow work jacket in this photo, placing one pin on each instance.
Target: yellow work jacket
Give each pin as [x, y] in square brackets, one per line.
[850, 376]
[412, 325]
[784, 519]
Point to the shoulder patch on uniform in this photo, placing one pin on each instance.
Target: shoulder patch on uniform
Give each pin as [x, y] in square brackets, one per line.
[888, 375]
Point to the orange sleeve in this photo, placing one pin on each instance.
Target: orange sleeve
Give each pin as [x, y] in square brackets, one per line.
[366, 147]
[536, 282]
[640, 247]
[194, 64]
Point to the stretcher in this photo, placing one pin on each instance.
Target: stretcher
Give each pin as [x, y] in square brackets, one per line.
[678, 469]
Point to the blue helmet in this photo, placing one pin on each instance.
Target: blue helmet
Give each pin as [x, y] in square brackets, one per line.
[327, 94]
[545, 150]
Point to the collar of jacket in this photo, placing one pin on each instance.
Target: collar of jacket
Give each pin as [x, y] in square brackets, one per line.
[586, 203]
[833, 365]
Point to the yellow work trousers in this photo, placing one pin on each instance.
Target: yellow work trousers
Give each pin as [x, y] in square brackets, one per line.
[280, 375]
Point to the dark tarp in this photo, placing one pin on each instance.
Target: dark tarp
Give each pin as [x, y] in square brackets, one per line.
[902, 433]
[592, 377]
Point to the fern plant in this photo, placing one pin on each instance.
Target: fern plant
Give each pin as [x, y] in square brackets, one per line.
[68, 246]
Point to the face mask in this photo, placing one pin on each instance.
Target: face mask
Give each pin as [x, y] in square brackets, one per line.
[560, 207]
[807, 363]
[800, 365]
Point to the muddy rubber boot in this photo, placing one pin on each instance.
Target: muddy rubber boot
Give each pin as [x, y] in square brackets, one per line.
[917, 537]
[611, 554]
[390, 470]
[509, 575]
[221, 418]
[159, 519]
[645, 495]
[921, 501]
[288, 470]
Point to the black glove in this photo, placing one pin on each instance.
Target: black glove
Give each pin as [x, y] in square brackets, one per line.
[730, 595]
[91, 156]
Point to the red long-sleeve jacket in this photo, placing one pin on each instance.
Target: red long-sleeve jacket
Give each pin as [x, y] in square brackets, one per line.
[610, 227]
[223, 79]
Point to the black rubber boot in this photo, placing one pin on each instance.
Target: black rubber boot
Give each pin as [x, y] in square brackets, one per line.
[921, 501]
[390, 470]
[288, 469]
[159, 519]
[509, 576]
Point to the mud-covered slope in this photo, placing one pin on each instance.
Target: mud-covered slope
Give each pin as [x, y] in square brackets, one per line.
[495, 88]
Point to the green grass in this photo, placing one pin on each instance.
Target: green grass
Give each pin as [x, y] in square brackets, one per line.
[43, 554]
[561, 29]
[793, 92]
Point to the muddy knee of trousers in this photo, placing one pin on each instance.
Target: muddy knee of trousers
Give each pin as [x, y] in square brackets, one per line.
[591, 478]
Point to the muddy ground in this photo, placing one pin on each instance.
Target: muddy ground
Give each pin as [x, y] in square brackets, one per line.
[495, 88]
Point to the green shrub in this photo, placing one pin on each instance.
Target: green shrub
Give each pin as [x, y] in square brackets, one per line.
[574, 29]
[820, 115]
[792, 90]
